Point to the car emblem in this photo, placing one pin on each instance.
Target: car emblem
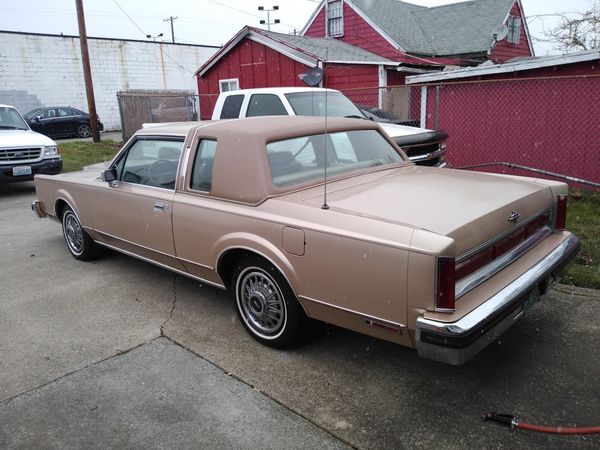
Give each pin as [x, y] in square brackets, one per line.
[514, 216]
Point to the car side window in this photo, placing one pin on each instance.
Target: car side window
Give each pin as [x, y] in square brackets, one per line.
[232, 106]
[203, 165]
[151, 162]
[64, 112]
[265, 105]
[48, 114]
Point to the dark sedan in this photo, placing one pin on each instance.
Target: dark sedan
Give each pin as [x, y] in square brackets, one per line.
[61, 121]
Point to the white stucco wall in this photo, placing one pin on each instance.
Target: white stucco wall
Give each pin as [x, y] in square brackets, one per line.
[41, 70]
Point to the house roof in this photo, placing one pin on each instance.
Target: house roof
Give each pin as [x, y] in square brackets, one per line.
[517, 65]
[454, 29]
[305, 50]
[466, 27]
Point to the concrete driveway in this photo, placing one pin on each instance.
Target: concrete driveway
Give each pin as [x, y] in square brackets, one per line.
[121, 354]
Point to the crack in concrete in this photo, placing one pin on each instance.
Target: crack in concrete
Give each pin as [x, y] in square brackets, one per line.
[164, 324]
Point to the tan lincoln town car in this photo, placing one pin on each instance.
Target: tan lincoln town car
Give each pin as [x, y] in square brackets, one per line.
[301, 221]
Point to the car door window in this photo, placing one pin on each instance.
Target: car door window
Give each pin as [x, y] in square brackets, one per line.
[265, 105]
[64, 112]
[151, 162]
[48, 114]
[203, 165]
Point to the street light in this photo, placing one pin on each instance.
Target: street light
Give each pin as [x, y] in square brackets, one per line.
[268, 21]
[149, 36]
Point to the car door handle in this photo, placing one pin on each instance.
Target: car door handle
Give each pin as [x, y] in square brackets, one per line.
[160, 206]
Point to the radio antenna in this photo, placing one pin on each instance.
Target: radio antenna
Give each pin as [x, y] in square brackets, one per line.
[325, 205]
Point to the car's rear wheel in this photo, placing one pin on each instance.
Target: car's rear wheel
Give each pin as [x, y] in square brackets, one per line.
[84, 130]
[79, 243]
[265, 303]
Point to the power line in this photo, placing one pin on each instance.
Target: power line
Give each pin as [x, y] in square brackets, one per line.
[130, 19]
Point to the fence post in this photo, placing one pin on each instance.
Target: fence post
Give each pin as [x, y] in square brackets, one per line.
[437, 106]
[423, 107]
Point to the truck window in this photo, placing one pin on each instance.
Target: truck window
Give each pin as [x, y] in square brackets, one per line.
[232, 106]
[265, 105]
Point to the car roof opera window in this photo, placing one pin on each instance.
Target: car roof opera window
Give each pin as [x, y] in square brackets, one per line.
[265, 105]
[203, 165]
[232, 106]
[151, 162]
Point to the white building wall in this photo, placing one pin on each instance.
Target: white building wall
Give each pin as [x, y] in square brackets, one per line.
[42, 70]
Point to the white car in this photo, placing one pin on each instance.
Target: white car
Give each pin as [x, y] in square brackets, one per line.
[23, 152]
[423, 146]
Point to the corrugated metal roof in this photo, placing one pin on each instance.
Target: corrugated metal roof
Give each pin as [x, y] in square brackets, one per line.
[516, 65]
[453, 29]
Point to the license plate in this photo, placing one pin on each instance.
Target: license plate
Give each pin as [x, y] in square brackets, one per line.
[21, 170]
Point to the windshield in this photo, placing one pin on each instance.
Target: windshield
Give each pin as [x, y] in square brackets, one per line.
[313, 104]
[296, 160]
[10, 119]
[32, 114]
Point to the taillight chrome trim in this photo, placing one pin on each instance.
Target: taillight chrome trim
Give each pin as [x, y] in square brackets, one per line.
[488, 271]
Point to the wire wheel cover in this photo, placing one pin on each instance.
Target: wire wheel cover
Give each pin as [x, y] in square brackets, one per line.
[261, 302]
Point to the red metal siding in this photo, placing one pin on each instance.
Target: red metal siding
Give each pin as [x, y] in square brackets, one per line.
[254, 65]
[504, 50]
[357, 32]
[359, 82]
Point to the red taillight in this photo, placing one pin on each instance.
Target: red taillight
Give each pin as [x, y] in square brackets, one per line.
[445, 287]
[561, 212]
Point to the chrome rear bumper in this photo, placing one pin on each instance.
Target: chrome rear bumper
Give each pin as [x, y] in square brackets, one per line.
[457, 342]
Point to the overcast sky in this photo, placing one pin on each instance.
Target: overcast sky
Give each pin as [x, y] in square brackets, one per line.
[208, 22]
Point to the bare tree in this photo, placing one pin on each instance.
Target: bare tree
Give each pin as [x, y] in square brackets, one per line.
[573, 31]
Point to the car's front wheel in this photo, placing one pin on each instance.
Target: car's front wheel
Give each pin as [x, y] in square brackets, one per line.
[79, 243]
[265, 303]
[84, 130]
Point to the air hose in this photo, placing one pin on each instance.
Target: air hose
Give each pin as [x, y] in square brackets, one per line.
[513, 422]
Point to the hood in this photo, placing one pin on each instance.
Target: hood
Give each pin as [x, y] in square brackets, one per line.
[470, 207]
[401, 130]
[23, 138]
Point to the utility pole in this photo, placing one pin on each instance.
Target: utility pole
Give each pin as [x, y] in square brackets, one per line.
[171, 19]
[87, 73]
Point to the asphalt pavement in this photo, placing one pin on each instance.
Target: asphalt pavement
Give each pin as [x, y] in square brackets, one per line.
[118, 353]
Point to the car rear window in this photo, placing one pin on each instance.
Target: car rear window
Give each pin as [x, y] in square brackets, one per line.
[301, 159]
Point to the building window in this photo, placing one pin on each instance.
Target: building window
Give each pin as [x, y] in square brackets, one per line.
[335, 20]
[232, 84]
[514, 29]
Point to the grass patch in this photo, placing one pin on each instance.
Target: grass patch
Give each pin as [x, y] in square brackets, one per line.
[76, 155]
[583, 220]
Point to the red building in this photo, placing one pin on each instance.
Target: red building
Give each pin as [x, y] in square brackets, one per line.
[367, 44]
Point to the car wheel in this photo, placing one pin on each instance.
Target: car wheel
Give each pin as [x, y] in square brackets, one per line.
[84, 131]
[79, 243]
[265, 303]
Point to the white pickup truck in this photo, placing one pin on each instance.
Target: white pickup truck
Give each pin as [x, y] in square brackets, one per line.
[423, 146]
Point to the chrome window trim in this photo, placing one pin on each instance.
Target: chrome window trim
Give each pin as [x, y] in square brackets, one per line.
[488, 271]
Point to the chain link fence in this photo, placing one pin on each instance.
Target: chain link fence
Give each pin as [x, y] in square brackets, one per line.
[148, 106]
[549, 124]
